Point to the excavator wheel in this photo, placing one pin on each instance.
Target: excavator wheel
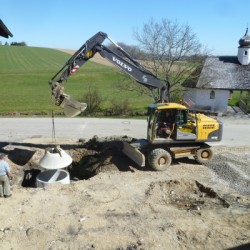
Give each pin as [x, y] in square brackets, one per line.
[204, 155]
[159, 159]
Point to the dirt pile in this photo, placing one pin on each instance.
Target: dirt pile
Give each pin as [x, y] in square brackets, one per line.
[187, 195]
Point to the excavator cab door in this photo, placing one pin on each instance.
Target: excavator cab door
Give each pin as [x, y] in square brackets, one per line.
[160, 129]
[152, 118]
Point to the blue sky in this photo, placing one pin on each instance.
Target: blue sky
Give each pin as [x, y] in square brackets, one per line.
[218, 24]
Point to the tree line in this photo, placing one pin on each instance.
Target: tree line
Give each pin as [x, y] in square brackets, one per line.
[14, 43]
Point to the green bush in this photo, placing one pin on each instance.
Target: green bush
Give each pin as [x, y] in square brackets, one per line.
[120, 107]
[93, 99]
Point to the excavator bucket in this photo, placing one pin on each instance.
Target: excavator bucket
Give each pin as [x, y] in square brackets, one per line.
[71, 107]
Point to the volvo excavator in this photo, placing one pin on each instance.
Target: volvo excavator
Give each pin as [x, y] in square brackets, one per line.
[173, 130]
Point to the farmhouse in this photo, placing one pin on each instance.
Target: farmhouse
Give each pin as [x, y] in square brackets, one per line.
[219, 77]
[4, 30]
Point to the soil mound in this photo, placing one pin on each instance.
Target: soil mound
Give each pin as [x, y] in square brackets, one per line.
[182, 194]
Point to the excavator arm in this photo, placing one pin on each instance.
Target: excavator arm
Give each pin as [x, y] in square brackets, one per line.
[122, 60]
[80, 57]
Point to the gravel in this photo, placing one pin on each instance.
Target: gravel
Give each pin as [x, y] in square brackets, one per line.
[231, 164]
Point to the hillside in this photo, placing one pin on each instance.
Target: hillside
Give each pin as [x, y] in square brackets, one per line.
[17, 59]
[25, 72]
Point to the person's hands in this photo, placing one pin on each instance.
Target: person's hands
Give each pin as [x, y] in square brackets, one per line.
[10, 176]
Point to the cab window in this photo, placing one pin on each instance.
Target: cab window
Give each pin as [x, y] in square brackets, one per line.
[182, 117]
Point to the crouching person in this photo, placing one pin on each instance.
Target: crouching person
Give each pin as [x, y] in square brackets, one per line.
[5, 177]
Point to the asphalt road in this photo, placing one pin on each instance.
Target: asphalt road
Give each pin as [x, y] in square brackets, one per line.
[236, 130]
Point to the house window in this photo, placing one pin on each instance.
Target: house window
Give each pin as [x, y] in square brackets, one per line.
[245, 52]
[212, 94]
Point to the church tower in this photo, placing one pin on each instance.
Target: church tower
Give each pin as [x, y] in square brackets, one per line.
[244, 49]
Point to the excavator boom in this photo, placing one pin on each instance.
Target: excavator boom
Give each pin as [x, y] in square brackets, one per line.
[122, 60]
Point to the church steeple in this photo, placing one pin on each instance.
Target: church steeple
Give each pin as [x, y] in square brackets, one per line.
[244, 49]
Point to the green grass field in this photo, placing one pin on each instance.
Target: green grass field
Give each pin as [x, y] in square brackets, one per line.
[25, 72]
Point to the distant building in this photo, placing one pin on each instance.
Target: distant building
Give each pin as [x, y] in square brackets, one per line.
[220, 76]
[4, 30]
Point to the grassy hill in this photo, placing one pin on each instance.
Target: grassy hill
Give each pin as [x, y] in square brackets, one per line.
[25, 72]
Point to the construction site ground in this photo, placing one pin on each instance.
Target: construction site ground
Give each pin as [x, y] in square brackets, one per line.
[113, 204]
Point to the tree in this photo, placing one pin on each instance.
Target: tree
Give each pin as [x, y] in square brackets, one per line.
[172, 52]
[18, 44]
[132, 50]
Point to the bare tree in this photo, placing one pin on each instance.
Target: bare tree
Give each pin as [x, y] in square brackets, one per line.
[172, 51]
[132, 50]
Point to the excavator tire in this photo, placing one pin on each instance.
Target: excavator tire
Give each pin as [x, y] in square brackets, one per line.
[204, 155]
[159, 159]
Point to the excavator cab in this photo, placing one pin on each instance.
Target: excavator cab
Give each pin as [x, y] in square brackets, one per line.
[169, 122]
[172, 122]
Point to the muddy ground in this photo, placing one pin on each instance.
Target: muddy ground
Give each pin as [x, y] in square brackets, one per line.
[113, 204]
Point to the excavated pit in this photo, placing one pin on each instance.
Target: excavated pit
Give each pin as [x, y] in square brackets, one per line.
[89, 159]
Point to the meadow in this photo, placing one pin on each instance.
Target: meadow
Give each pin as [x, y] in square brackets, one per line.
[26, 71]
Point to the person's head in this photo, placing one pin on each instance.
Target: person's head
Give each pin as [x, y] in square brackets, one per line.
[2, 155]
[167, 113]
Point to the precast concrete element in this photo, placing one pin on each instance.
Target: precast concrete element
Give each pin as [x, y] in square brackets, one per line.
[52, 176]
[55, 158]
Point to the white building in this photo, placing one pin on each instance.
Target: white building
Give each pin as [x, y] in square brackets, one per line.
[219, 76]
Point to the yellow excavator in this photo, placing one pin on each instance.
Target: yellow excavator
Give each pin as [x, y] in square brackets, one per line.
[173, 130]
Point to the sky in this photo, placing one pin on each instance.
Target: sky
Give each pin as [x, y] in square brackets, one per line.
[218, 24]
